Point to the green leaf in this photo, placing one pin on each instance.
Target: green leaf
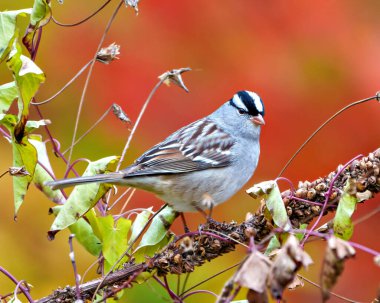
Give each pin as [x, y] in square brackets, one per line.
[157, 236]
[41, 174]
[83, 233]
[342, 225]
[32, 125]
[139, 224]
[24, 154]
[114, 239]
[273, 245]
[8, 30]
[28, 77]
[8, 93]
[269, 191]
[40, 16]
[83, 197]
[9, 121]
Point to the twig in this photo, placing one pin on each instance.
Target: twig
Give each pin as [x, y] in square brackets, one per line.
[322, 126]
[65, 86]
[137, 122]
[81, 102]
[83, 20]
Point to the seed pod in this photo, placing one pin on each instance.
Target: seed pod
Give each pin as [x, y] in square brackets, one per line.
[372, 180]
[371, 157]
[177, 259]
[333, 195]
[321, 186]
[362, 164]
[250, 232]
[289, 211]
[361, 184]
[311, 193]
[315, 209]
[298, 213]
[301, 193]
[376, 170]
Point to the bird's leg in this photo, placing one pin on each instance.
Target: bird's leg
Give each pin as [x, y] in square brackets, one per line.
[185, 227]
[209, 203]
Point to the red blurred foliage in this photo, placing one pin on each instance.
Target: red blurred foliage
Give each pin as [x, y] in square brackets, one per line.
[306, 59]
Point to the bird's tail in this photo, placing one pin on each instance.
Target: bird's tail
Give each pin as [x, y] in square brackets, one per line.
[106, 178]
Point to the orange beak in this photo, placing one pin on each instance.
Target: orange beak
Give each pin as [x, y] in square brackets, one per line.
[258, 120]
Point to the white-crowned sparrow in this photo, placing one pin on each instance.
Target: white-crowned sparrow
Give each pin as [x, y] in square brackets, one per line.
[206, 161]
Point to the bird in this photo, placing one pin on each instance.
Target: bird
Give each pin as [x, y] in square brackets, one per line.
[200, 165]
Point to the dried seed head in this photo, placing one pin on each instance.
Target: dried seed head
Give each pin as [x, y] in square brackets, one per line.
[289, 211]
[372, 180]
[377, 153]
[311, 193]
[315, 209]
[361, 184]
[177, 259]
[250, 232]
[301, 193]
[376, 170]
[333, 195]
[321, 186]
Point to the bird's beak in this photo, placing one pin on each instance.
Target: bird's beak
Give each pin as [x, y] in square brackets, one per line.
[258, 120]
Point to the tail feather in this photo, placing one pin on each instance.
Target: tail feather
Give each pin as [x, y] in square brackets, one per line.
[106, 178]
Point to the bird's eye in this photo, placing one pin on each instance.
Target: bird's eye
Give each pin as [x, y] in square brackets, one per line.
[241, 111]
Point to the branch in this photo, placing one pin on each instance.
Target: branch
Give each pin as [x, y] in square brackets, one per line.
[215, 239]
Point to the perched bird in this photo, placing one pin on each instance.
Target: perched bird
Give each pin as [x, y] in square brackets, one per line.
[200, 165]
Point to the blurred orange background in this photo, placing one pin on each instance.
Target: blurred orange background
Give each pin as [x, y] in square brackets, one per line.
[306, 59]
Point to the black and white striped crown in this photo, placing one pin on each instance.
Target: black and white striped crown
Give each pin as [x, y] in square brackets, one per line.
[248, 102]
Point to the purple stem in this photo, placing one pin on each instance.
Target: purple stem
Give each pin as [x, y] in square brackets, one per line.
[166, 286]
[72, 259]
[24, 290]
[328, 194]
[199, 291]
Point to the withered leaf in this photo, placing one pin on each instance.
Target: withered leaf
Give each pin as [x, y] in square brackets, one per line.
[254, 272]
[297, 282]
[337, 251]
[288, 261]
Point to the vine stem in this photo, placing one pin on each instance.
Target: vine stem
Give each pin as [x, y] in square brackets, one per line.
[81, 102]
[24, 290]
[328, 194]
[376, 97]
[83, 20]
[138, 122]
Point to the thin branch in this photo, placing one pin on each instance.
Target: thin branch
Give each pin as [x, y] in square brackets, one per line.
[83, 20]
[376, 97]
[138, 122]
[81, 102]
[65, 86]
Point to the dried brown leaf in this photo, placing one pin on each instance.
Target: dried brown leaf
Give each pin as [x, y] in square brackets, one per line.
[288, 261]
[254, 272]
[297, 282]
[337, 251]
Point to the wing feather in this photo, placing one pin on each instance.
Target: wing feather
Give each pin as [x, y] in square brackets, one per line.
[195, 147]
